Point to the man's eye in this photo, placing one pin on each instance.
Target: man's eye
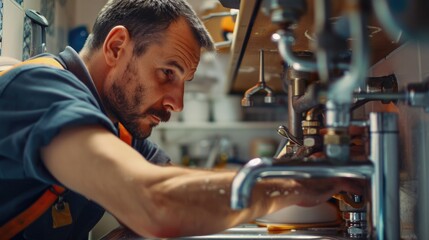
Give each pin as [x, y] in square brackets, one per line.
[168, 73]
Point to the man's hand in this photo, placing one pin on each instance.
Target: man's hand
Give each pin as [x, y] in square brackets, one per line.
[320, 190]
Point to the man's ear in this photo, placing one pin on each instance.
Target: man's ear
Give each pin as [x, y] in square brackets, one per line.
[115, 45]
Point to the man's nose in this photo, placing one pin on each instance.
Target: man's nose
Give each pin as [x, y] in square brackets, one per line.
[173, 100]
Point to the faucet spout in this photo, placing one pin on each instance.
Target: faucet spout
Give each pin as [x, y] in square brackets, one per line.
[258, 168]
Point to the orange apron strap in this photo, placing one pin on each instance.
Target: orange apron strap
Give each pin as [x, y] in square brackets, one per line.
[41, 60]
[25, 218]
[38, 208]
[44, 61]
[124, 135]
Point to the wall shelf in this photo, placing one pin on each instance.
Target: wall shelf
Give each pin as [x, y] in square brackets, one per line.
[171, 135]
[218, 125]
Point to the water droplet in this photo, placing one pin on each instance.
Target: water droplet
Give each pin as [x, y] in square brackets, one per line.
[221, 191]
[296, 192]
[275, 193]
[286, 192]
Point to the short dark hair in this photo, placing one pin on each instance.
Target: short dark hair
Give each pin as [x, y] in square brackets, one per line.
[146, 21]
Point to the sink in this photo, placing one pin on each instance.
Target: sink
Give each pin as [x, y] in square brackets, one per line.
[246, 231]
[252, 231]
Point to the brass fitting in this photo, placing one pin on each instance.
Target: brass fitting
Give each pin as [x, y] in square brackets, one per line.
[336, 137]
[310, 127]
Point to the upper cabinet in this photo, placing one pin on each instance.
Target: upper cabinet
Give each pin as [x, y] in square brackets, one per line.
[254, 29]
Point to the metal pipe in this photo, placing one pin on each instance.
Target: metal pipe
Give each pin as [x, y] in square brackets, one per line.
[322, 26]
[285, 41]
[269, 98]
[384, 15]
[381, 96]
[261, 66]
[307, 101]
[340, 92]
[385, 182]
[294, 118]
[299, 93]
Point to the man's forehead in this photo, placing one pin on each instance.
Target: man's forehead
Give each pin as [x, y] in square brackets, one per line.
[184, 47]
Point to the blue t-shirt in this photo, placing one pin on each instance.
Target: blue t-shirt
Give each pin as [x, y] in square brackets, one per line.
[36, 102]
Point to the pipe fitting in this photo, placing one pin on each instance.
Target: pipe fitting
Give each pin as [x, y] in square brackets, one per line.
[336, 139]
[285, 12]
[269, 98]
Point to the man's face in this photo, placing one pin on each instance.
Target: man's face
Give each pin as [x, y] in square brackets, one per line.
[145, 89]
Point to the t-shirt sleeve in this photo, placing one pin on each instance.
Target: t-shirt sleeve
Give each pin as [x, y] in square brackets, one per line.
[35, 104]
[151, 152]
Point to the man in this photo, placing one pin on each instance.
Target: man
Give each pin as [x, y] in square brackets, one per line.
[59, 127]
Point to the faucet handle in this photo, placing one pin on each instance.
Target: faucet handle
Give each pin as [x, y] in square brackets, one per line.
[284, 131]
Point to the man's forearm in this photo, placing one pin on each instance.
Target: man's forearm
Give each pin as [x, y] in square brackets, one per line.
[164, 201]
[198, 201]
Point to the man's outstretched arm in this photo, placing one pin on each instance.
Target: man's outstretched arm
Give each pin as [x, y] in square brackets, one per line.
[165, 201]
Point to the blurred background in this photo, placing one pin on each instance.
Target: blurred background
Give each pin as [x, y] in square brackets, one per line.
[214, 130]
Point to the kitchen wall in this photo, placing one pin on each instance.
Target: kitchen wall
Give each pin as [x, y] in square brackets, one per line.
[12, 23]
[85, 13]
[16, 31]
[410, 64]
[62, 15]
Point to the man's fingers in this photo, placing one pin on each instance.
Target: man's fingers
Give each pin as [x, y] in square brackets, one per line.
[354, 186]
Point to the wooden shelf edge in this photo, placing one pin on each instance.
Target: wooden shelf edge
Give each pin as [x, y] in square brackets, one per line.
[218, 125]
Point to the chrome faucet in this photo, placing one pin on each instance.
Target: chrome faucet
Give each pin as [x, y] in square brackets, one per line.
[261, 85]
[336, 94]
[382, 170]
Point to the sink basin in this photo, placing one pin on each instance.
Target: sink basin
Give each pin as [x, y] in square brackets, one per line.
[246, 231]
[251, 231]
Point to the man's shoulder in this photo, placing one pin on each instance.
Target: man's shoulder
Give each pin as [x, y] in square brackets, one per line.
[39, 75]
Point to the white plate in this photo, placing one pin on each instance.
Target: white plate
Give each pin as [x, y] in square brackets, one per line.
[322, 213]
